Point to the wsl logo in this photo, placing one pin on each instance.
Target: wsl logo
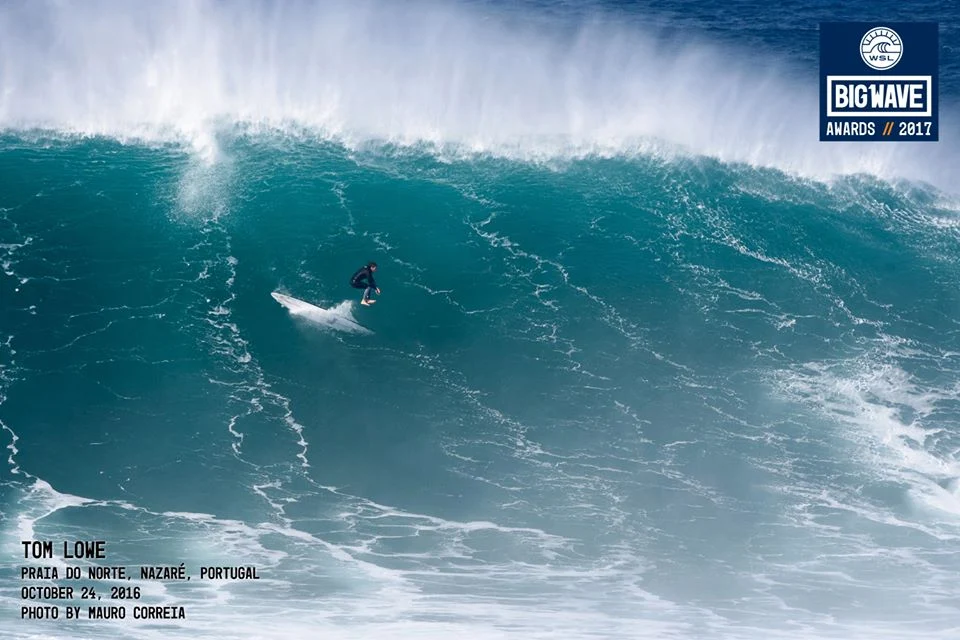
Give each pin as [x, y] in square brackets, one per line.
[880, 48]
[862, 97]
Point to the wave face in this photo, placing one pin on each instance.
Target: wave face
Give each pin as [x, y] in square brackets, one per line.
[641, 394]
[627, 398]
[465, 78]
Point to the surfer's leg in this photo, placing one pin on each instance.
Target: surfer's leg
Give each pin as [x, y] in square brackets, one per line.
[366, 296]
[366, 290]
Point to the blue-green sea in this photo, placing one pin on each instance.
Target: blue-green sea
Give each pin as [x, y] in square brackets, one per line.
[649, 361]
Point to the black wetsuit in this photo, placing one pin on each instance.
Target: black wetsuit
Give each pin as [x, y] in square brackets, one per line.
[363, 279]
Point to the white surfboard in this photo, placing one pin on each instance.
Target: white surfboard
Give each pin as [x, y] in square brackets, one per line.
[339, 317]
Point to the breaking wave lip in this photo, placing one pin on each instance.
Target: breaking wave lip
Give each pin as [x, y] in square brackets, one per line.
[459, 78]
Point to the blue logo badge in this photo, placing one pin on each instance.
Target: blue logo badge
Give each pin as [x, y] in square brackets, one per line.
[878, 81]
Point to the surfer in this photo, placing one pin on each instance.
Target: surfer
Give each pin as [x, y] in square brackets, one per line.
[363, 279]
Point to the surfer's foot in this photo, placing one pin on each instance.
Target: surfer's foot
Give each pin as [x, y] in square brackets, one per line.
[366, 303]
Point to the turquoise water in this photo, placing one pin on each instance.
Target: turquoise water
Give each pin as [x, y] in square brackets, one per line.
[615, 386]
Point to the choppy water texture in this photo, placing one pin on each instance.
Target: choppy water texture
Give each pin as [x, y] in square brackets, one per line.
[648, 362]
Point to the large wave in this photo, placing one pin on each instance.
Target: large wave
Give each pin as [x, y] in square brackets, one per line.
[629, 399]
[460, 78]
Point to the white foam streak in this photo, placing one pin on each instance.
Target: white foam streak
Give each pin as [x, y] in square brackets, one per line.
[895, 420]
[457, 77]
[338, 317]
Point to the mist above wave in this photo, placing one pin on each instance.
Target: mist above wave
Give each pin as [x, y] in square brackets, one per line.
[472, 78]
